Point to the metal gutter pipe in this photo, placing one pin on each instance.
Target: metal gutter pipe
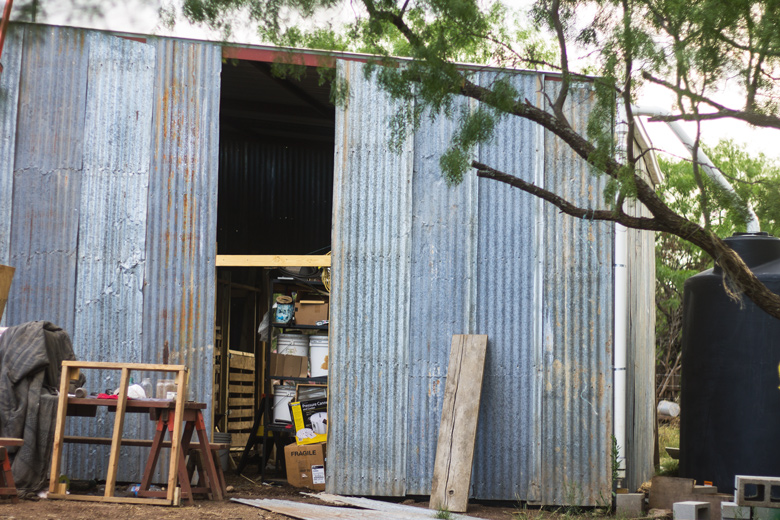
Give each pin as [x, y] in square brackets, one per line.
[621, 345]
[753, 226]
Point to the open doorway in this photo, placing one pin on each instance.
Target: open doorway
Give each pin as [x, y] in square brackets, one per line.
[275, 198]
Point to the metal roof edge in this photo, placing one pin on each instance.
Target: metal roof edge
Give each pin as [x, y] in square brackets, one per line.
[236, 49]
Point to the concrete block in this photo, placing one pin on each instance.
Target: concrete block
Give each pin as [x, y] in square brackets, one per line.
[766, 513]
[631, 505]
[731, 511]
[757, 491]
[691, 510]
[704, 489]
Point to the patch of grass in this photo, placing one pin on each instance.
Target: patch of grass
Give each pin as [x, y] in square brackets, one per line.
[668, 435]
[443, 514]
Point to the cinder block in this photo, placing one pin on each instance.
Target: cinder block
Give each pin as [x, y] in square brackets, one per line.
[691, 510]
[766, 513]
[757, 491]
[698, 490]
[731, 511]
[630, 505]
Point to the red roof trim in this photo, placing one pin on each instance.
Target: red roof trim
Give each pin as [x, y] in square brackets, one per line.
[271, 56]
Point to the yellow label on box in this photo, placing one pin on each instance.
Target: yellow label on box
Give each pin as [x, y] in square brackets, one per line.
[310, 419]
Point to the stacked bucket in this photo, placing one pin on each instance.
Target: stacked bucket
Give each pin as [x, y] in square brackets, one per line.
[315, 347]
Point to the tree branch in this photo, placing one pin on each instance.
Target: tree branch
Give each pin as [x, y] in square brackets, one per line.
[733, 266]
[486, 172]
[564, 92]
[753, 118]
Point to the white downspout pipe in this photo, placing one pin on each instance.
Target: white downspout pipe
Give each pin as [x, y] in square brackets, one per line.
[621, 346]
[753, 226]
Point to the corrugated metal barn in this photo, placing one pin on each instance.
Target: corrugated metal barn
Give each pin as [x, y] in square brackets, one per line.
[128, 163]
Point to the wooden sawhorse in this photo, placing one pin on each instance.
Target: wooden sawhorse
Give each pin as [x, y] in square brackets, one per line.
[7, 485]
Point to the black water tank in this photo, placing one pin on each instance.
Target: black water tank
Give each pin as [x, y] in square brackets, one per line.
[730, 400]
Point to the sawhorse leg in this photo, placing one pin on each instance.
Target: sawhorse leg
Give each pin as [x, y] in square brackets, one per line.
[165, 422]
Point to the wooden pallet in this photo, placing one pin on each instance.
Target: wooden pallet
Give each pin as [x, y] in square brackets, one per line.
[241, 386]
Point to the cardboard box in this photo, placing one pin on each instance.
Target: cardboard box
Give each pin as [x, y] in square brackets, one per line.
[6, 275]
[306, 466]
[310, 421]
[309, 312]
[283, 365]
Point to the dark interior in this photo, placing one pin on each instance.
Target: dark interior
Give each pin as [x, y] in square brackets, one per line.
[275, 198]
[275, 162]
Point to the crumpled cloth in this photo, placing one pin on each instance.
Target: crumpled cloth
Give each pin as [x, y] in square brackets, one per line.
[31, 356]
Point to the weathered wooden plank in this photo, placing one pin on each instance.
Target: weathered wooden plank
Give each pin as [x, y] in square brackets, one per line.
[241, 412]
[273, 261]
[455, 448]
[241, 361]
[241, 401]
[240, 389]
[241, 378]
[238, 440]
[242, 425]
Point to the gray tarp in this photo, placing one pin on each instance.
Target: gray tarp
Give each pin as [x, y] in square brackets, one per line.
[30, 359]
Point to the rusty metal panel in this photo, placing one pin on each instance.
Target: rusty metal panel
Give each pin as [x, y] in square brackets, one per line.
[444, 227]
[47, 175]
[179, 287]
[9, 102]
[368, 374]
[112, 229]
[508, 311]
[577, 327]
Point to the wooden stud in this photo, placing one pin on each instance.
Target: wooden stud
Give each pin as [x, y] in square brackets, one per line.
[59, 428]
[181, 387]
[458, 431]
[149, 367]
[116, 438]
[112, 500]
[273, 261]
[58, 490]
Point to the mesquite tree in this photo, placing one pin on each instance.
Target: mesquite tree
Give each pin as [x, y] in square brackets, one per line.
[690, 47]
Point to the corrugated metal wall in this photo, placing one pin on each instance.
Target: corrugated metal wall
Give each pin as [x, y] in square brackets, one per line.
[9, 103]
[112, 232]
[577, 326]
[113, 228]
[444, 225]
[372, 243]
[485, 259]
[181, 228]
[48, 168]
[507, 461]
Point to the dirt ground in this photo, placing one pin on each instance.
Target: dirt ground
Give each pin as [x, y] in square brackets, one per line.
[203, 509]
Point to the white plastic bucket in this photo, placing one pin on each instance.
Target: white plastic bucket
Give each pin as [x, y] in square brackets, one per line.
[318, 355]
[283, 394]
[668, 409]
[292, 345]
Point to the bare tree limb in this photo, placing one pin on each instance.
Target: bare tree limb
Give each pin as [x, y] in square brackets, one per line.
[564, 92]
[753, 118]
[486, 172]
